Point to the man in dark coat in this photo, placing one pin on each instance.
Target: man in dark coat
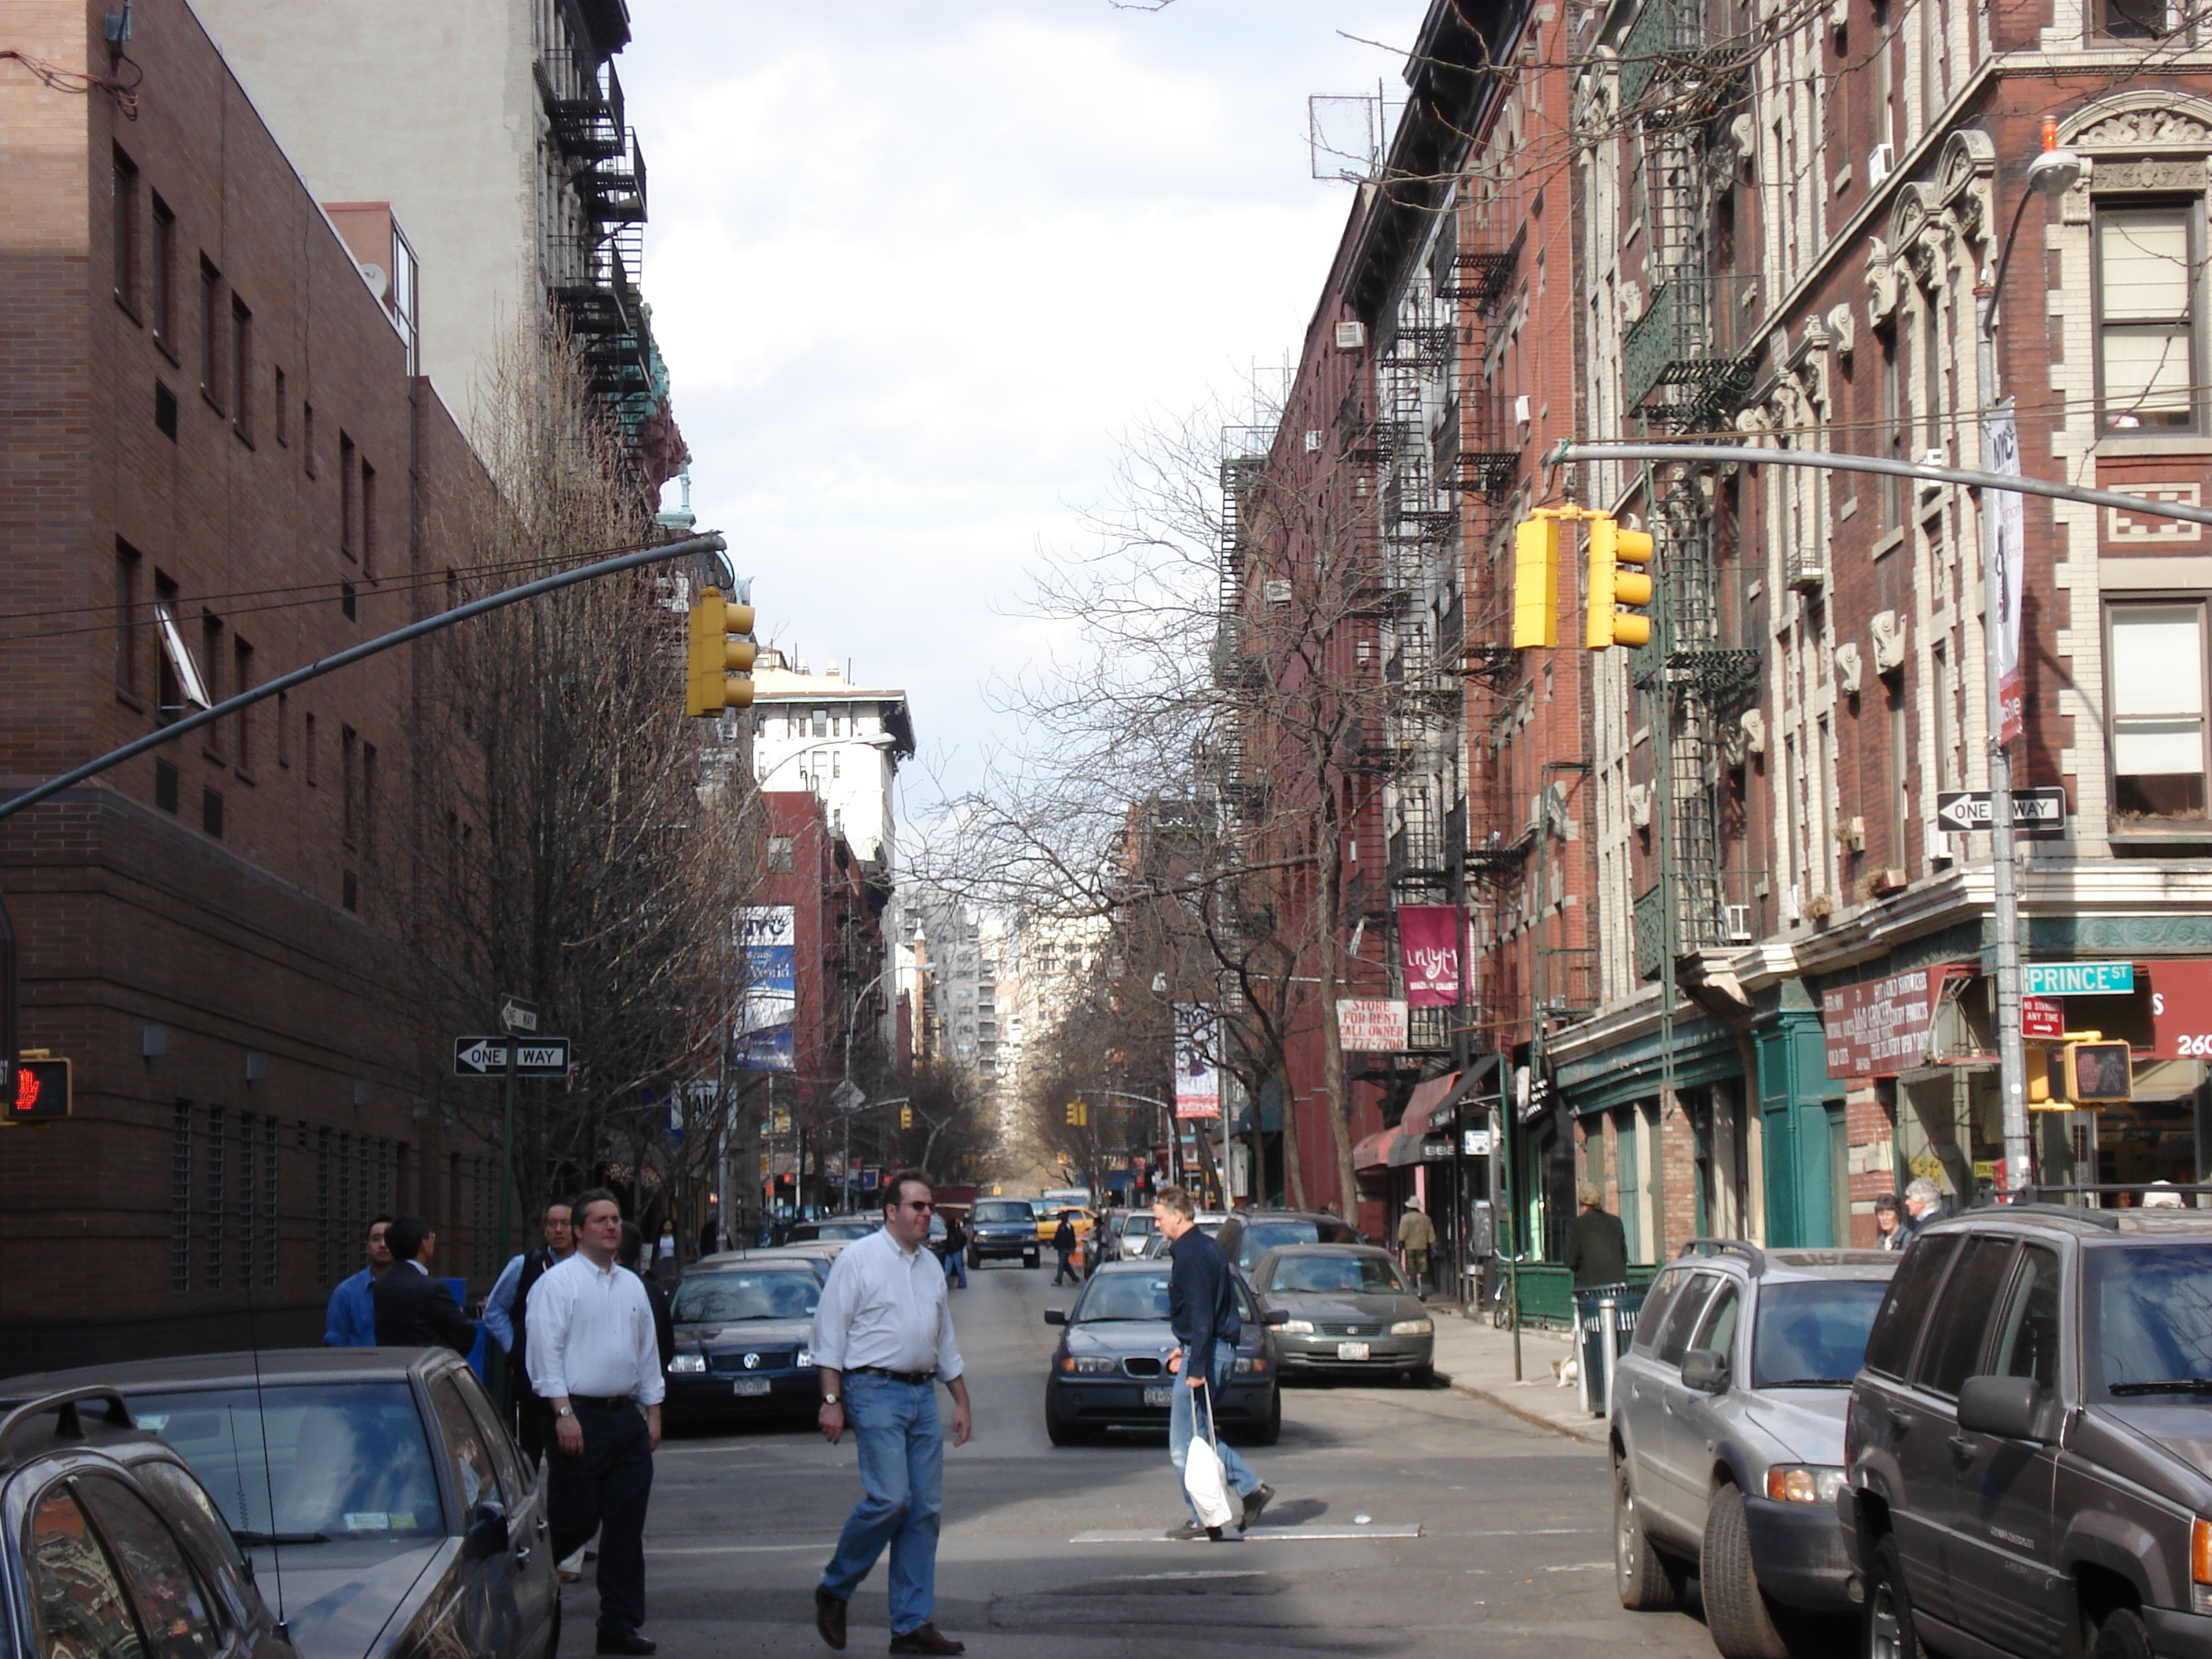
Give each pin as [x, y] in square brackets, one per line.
[1597, 1248]
[413, 1309]
[664, 1311]
[1063, 1245]
[533, 1416]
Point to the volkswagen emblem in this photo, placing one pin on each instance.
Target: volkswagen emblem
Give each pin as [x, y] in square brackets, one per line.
[752, 1362]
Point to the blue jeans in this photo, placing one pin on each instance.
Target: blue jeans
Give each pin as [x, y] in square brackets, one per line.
[1184, 1418]
[902, 1474]
[956, 1268]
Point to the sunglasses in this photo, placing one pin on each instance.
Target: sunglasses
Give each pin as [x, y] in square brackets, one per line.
[921, 1204]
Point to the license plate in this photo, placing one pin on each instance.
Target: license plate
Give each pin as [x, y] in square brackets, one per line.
[1352, 1351]
[1158, 1396]
[749, 1385]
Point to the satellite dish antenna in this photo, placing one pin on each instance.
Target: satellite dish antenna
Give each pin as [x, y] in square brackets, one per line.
[375, 275]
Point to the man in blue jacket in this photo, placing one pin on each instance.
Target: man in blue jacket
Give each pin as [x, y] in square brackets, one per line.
[1202, 1313]
[351, 1321]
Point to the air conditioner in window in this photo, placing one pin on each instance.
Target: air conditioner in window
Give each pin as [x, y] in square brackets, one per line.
[1350, 337]
[1881, 163]
[1739, 924]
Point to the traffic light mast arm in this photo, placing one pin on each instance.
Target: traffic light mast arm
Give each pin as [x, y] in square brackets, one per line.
[689, 548]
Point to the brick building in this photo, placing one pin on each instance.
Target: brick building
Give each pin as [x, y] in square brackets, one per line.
[217, 466]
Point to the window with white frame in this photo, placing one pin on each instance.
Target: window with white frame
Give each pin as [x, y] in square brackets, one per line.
[2149, 259]
[2155, 659]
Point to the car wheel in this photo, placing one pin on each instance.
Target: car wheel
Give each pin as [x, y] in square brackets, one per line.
[1030, 1260]
[1271, 1430]
[1736, 1611]
[974, 1260]
[1422, 1376]
[1060, 1433]
[2122, 1636]
[1648, 1581]
[1889, 1632]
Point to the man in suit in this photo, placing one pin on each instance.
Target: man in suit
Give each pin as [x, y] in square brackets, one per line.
[413, 1310]
[350, 1321]
[534, 1414]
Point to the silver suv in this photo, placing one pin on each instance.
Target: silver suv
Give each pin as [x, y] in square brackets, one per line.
[1727, 1432]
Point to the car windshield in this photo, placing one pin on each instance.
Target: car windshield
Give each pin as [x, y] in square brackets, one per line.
[1260, 1236]
[343, 1460]
[851, 1227]
[724, 1298]
[1005, 1209]
[2153, 1319]
[1813, 1333]
[1124, 1296]
[1137, 1223]
[1375, 1275]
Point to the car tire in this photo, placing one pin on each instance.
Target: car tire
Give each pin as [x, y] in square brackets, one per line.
[1060, 1433]
[1031, 1262]
[1648, 1581]
[2121, 1636]
[1271, 1430]
[1421, 1376]
[1889, 1633]
[974, 1260]
[1736, 1613]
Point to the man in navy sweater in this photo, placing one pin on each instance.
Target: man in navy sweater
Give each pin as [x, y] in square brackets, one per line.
[1202, 1312]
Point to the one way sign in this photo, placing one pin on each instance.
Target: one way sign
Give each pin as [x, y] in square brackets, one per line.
[2034, 811]
[486, 1056]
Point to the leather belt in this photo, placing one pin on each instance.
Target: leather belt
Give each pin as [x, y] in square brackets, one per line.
[605, 1402]
[913, 1378]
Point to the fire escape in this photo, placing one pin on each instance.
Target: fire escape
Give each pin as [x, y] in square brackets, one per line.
[597, 258]
[1687, 363]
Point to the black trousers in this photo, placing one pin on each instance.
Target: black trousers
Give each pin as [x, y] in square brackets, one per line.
[532, 1416]
[606, 1487]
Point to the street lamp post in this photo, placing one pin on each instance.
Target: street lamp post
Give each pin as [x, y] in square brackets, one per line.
[852, 1021]
[2051, 174]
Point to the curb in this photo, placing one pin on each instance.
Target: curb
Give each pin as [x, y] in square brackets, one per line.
[1595, 1436]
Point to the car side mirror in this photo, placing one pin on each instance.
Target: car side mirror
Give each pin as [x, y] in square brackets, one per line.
[1276, 1316]
[1055, 1315]
[1705, 1371]
[2007, 1406]
[487, 1534]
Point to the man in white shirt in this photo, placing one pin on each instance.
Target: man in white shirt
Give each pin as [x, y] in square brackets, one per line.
[882, 1340]
[594, 1359]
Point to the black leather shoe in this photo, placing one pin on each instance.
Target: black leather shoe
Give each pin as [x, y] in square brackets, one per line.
[1254, 1501]
[1191, 1531]
[627, 1641]
[926, 1639]
[829, 1617]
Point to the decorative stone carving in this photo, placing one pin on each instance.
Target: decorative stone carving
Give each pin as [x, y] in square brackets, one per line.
[1849, 670]
[2113, 176]
[1963, 175]
[1755, 730]
[1639, 805]
[1841, 326]
[1889, 629]
[1881, 282]
[2141, 120]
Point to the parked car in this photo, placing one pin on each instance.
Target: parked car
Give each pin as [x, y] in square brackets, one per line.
[111, 1535]
[377, 1492]
[1130, 1229]
[818, 1254]
[1002, 1227]
[741, 1336]
[1349, 1312]
[2031, 1446]
[1245, 1236]
[1048, 1221]
[832, 1229]
[1110, 1366]
[1727, 1435]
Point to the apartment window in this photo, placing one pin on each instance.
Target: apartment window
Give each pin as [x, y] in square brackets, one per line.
[211, 329]
[241, 369]
[217, 1197]
[165, 787]
[280, 413]
[368, 796]
[124, 231]
[349, 783]
[249, 1195]
[211, 661]
[821, 722]
[2136, 20]
[307, 439]
[368, 520]
[283, 728]
[128, 567]
[241, 682]
[165, 411]
[180, 685]
[211, 812]
[2154, 661]
[1893, 426]
[779, 852]
[2147, 279]
[307, 749]
[162, 272]
[346, 482]
[269, 1203]
[180, 1196]
[324, 1217]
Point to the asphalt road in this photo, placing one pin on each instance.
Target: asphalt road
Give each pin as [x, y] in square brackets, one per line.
[1513, 1552]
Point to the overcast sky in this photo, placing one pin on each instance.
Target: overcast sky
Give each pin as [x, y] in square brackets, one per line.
[916, 266]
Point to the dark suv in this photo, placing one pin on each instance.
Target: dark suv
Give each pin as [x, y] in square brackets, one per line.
[109, 1544]
[2029, 1450]
[1247, 1235]
[1001, 1227]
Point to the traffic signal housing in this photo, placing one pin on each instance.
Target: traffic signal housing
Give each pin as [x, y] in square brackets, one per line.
[1079, 1115]
[906, 1117]
[2092, 1071]
[1610, 548]
[42, 1090]
[1536, 583]
[719, 660]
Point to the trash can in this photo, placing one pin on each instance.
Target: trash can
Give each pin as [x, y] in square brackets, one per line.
[1605, 1319]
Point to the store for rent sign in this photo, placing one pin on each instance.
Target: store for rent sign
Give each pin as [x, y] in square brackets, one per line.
[1879, 1027]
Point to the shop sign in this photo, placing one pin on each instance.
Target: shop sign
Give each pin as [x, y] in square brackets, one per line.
[2080, 979]
[1371, 1025]
[1475, 1143]
[2180, 1009]
[1436, 1146]
[1428, 940]
[1878, 1027]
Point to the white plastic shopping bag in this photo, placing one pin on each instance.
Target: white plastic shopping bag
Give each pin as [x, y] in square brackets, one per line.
[1203, 1478]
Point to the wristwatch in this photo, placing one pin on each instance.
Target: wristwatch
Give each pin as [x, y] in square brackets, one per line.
[566, 1411]
[828, 1399]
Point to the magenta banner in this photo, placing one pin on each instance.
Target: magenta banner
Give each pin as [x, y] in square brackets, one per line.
[1429, 941]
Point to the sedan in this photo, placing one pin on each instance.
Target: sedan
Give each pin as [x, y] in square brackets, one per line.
[378, 1494]
[1109, 1367]
[741, 1336]
[1346, 1311]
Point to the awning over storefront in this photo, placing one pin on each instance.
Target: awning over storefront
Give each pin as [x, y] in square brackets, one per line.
[1433, 1109]
[1373, 1152]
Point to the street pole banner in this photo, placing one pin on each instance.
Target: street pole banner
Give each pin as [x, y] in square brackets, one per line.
[1197, 1078]
[1428, 945]
[768, 950]
[2001, 442]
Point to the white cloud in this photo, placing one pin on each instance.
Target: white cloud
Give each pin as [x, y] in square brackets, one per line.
[913, 266]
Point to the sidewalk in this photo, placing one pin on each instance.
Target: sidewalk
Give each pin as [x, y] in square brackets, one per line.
[1478, 1359]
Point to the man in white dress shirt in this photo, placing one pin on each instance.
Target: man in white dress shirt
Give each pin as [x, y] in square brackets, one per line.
[594, 1360]
[882, 1341]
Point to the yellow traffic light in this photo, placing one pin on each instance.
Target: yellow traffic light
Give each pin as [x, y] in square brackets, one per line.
[1610, 548]
[718, 662]
[906, 1117]
[1079, 1115]
[1536, 583]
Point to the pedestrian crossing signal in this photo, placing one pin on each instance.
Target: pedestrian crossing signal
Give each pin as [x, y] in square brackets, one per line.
[42, 1090]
